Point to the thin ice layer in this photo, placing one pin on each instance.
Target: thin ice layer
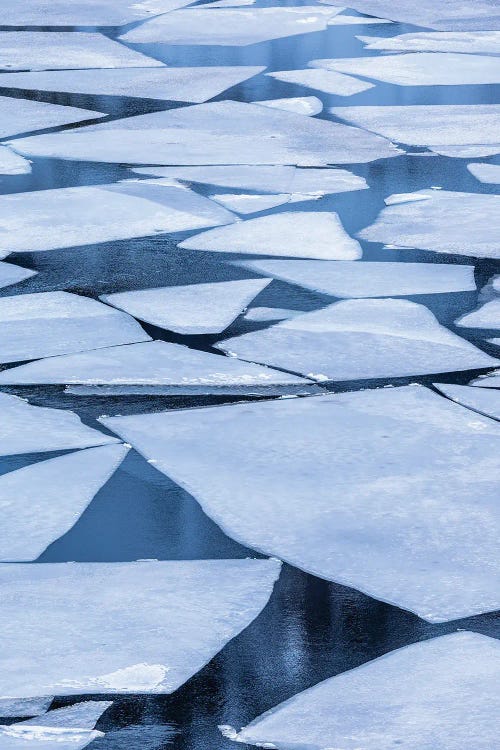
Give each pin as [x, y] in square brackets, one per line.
[155, 367]
[244, 204]
[323, 80]
[488, 381]
[191, 309]
[360, 339]
[300, 234]
[347, 279]
[488, 173]
[390, 491]
[175, 84]
[437, 693]
[84, 12]
[472, 42]
[214, 133]
[302, 105]
[485, 401]
[486, 316]
[26, 115]
[35, 429]
[75, 216]
[445, 222]
[11, 163]
[13, 707]
[41, 502]
[12, 274]
[140, 627]
[45, 324]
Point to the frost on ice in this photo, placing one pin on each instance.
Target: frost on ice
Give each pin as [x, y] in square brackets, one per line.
[84, 12]
[485, 42]
[440, 692]
[390, 491]
[298, 234]
[11, 274]
[487, 173]
[301, 105]
[49, 323]
[11, 163]
[483, 400]
[141, 627]
[191, 309]
[323, 80]
[486, 316]
[243, 203]
[13, 707]
[25, 115]
[41, 502]
[352, 279]
[359, 339]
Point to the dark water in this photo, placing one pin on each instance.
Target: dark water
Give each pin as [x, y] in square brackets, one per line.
[311, 629]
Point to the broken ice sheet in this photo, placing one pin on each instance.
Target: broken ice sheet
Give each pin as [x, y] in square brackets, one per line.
[13, 707]
[445, 222]
[262, 314]
[25, 115]
[45, 324]
[11, 274]
[323, 80]
[300, 234]
[192, 309]
[488, 381]
[35, 429]
[72, 216]
[486, 316]
[302, 105]
[352, 279]
[155, 367]
[436, 693]
[214, 133]
[251, 204]
[41, 502]
[484, 400]
[84, 12]
[174, 84]
[235, 27]
[485, 42]
[11, 163]
[390, 491]
[140, 627]
[488, 173]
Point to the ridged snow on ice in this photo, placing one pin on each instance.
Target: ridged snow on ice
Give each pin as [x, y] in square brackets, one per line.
[323, 80]
[301, 105]
[445, 15]
[485, 401]
[11, 274]
[485, 42]
[84, 12]
[25, 115]
[11, 163]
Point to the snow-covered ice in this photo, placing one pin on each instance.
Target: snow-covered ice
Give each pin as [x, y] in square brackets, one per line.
[11, 163]
[486, 316]
[84, 12]
[345, 20]
[323, 80]
[12, 707]
[466, 152]
[478, 42]
[488, 381]
[302, 105]
[12, 274]
[242, 203]
[445, 15]
[484, 400]
[260, 314]
[488, 173]
[26, 115]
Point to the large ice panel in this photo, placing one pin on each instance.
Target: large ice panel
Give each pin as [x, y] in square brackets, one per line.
[26, 115]
[488, 173]
[12, 274]
[13, 707]
[302, 105]
[11, 163]
[323, 80]
[484, 400]
[485, 42]
[84, 12]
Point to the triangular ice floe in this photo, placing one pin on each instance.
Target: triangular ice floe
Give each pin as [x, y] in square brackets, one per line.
[486, 316]
[488, 381]
[302, 105]
[244, 204]
[345, 20]
[14, 707]
[488, 173]
[12, 274]
[25, 115]
[323, 80]
[11, 163]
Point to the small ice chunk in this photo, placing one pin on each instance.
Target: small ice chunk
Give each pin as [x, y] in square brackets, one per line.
[26, 115]
[347, 279]
[11, 163]
[250, 204]
[291, 233]
[358, 339]
[355, 21]
[485, 401]
[122, 627]
[476, 151]
[84, 12]
[262, 314]
[323, 80]
[11, 274]
[302, 105]
[472, 42]
[436, 693]
[488, 381]
[488, 173]
[486, 316]
[14, 707]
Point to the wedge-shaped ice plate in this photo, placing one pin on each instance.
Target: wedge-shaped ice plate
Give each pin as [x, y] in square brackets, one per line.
[477, 42]
[488, 381]
[345, 20]
[352, 279]
[41, 502]
[49, 323]
[175, 84]
[192, 309]
[323, 80]
[390, 491]
[488, 173]
[84, 12]
[443, 221]
[11, 163]
[485, 401]
[486, 316]
[214, 133]
[437, 693]
[360, 339]
[244, 204]
[13, 707]
[12, 274]
[298, 234]
[302, 105]
[25, 115]
[141, 627]
[155, 367]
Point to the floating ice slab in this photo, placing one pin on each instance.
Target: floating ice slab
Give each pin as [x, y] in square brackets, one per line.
[323, 80]
[214, 133]
[488, 173]
[11, 274]
[69, 217]
[236, 27]
[302, 105]
[175, 84]
[156, 367]
[447, 222]
[486, 316]
[49, 323]
[486, 42]
[84, 12]
[446, 15]
[298, 234]
[259, 314]
[122, 627]
[12, 707]
[436, 693]
[36, 429]
[466, 152]
[192, 309]
[25, 115]
[251, 204]
[352, 279]
[488, 381]
[355, 21]
[41, 502]
[486, 401]
[375, 489]
[359, 339]
[11, 163]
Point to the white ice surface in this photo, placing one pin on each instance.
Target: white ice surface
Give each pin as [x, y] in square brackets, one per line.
[445, 15]
[11, 163]
[259, 314]
[46, 324]
[473, 42]
[34, 429]
[488, 381]
[41, 502]
[229, 3]
[323, 80]
[10, 708]
[488, 173]
[484, 400]
[176, 84]
[390, 491]
[352, 279]
[140, 627]
[12, 274]
[249, 203]
[302, 105]
[446, 222]
[26, 115]
[83, 12]
[437, 693]
[486, 316]
[346, 20]
[191, 309]
[477, 151]
[301, 234]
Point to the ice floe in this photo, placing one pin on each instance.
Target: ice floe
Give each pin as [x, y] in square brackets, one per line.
[12, 707]
[466, 152]
[323, 80]
[25, 115]
[259, 314]
[11, 163]
[140, 627]
[488, 381]
[301, 234]
[445, 222]
[45, 324]
[214, 133]
[84, 12]
[486, 42]
[191, 309]
[155, 367]
[345, 20]
[176, 84]
[446, 15]
[484, 400]
[488, 173]
[436, 693]
[72, 216]
[11, 274]
[390, 491]
[35, 429]
[251, 204]
[353, 279]
[41, 502]
[486, 316]
[302, 105]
